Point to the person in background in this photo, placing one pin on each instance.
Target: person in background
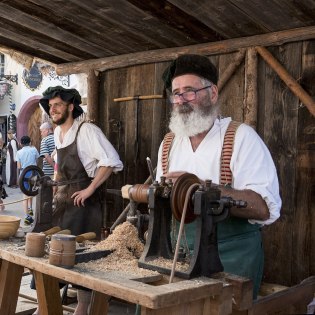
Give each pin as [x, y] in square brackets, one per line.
[11, 165]
[47, 147]
[3, 163]
[196, 147]
[1, 146]
[3, 193]
[86, 159]
[27, 156]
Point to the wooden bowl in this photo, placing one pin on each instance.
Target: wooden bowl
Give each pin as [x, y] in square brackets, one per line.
[8, 225]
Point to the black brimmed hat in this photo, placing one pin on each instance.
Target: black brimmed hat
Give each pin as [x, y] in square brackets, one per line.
[68, 95]
[190, 64]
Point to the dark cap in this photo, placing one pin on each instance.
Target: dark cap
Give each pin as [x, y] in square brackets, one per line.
[67, 95]
[25, 140]
[190, 64]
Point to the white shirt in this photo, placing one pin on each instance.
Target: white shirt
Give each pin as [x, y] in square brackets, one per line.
[94, 149]
[251, 163]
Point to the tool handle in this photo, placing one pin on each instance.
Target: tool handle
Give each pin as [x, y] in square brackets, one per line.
[53, 230]
[85, 236]
[150, 167]
[141, 97]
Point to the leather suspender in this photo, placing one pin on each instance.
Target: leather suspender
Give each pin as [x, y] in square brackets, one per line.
[166, 148]
[226, 154]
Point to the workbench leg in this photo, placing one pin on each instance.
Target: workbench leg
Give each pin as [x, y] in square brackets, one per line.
[99, 303]
[10, 281]
[219, 304]
[48, 294]
[214, 305]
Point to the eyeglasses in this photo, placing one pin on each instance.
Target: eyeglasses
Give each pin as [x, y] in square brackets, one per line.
[187, 96]
[58, 104]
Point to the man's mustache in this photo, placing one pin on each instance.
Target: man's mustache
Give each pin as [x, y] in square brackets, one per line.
[186, 107]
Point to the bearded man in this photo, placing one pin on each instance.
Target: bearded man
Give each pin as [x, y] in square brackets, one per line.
[85, 159]
[197, 146]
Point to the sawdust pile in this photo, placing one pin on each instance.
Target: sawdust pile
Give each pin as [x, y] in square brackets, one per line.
[168, 263]
[124, 240]
[127, 248]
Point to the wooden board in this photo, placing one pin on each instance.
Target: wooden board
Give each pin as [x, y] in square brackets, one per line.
[231, 97]
[119, 122]
[304, 264]
[108, 283]
[278, 125]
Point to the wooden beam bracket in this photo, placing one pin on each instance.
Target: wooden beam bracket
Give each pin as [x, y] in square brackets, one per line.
[284, 75]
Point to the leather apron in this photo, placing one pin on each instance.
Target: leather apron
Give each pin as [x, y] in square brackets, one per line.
[77, 219]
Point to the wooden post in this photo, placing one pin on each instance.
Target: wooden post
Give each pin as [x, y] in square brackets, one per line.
[225, 77]
[305, 98]
[92, 95]
[250, 102]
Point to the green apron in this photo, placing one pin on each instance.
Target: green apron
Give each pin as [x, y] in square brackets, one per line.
[240, 248]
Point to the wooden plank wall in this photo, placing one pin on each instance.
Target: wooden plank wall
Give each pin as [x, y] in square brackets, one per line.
[305, 209]
[118, 120]
[279, 110]
[287, 129]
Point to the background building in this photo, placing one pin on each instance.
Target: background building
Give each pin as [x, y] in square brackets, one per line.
[20, 91]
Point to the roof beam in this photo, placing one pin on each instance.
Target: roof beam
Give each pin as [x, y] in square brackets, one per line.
[160, 55]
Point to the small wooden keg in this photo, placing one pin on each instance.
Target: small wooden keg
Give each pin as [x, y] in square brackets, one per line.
[35, 244]
[62, 250]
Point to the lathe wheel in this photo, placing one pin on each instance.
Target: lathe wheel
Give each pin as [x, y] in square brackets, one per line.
[178, 195]
[29, 180]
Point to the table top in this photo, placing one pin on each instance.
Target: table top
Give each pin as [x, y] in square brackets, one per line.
[130, 288]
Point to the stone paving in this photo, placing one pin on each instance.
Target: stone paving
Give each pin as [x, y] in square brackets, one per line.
[14, 205]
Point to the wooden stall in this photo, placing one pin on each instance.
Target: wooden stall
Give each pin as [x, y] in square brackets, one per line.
[274, 107]
[265, 53]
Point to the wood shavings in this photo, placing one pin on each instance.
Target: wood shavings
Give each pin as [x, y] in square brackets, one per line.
[127, 249]
[168, 263]
[123, 239]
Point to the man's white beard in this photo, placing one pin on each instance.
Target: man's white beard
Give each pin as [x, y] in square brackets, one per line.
[192, 123]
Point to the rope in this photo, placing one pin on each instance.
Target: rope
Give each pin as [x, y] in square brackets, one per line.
[190, 189]
[16, 201]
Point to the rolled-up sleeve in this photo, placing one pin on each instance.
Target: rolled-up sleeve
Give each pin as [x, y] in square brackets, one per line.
[96, 151]
[253, 168]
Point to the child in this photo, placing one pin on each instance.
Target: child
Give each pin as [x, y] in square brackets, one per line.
[27, 156]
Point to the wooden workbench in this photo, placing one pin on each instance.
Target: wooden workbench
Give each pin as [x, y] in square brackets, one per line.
[191, 297]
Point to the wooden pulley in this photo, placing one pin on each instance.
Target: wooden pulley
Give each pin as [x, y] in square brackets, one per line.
[178, 195]
[139, 193]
